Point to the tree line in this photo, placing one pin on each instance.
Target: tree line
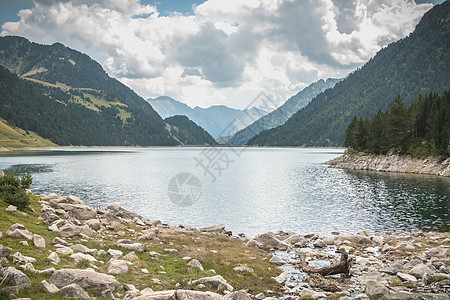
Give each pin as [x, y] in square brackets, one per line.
[420, 130]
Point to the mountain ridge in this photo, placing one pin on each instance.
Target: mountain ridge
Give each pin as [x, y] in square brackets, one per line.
[417, 64]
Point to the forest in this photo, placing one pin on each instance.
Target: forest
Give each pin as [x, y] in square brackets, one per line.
[420, 130]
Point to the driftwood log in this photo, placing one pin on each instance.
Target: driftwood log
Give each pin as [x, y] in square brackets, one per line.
[341, 267]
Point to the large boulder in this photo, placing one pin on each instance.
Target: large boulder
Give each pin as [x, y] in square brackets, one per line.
[133, 246]
[420, 270]
[5, 251]
[74, 291]
[194, 263]
[375, 289]
[270, 241]
[19, 231]
[81, 256]
[217, 281]
[117, 266]
[88, 279]
[355, 239]
[55, 201]
[18, 258]
[12, 276]
[68, 231]
[219, 228]
[48, 288]
[38, 241]
[94, 224]
[78, 211]
[238, 295]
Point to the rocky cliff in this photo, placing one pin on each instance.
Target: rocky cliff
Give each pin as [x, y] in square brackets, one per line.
[392, 163]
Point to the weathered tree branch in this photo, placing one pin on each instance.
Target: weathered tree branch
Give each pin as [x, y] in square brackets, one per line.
[342, 267]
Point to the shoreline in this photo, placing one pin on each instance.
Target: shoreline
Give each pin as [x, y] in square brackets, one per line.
[392, 163]
[115, 244]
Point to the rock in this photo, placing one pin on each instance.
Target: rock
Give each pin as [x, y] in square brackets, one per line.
[54, 258]
[355, 239]
[270, 241]
[148, 294]
[81, 256]
[38, 241]
[312, 294]
[130, 245]
[19, 231]
[277, 260]
[21, 259]
[28, 267]
[243, 269]
[54, 228]
[376, 289]
[113, 253]
[281, 278]
[87, 279]
[74, 291]
[168, 250]
[436, 277]
[68, 231]
[12, 276]
[220, 228]
[406, 277]
[80, 248]
[94, 224]
[438, 252]
[47, 272]
[377, 239]
[11, 208]
[48, 288]
[155, 254]
[117, 266]
[87, 231]
[393, 268]
[254, 244]
[193, 263]
[217, 281]
[5, 251]
[131, 257]
[387, 248]
[24, 243]
[64, 251]
[319, 243]
[419, 271]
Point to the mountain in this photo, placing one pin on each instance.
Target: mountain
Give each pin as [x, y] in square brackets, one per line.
[66, 97]
[417, 64]
[218, 120]
[187, 132]
[284, 112]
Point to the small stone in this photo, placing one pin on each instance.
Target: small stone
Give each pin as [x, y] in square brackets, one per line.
[49, 288]
[81, 256]
[156, 254]
[54, 258]
[19, 231]
[74, 291]
[5, 251]
[195, 264]
[24, 243]
[170, 250]
[64, 251]
[21, 259]
[376, 289]
[243, 269]
[130, 257]
[319, 243]
[117, 266]
[406, 277]
[113, 253]
[11, 208]
[145, 271]
[38, 241]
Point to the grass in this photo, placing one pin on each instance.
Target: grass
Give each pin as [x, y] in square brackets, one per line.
[170, 269]
[14, 137]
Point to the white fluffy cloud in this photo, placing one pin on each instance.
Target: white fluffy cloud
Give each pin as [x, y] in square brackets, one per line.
[226, 51]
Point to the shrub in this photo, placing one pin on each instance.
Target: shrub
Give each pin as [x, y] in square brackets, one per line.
[12, 189]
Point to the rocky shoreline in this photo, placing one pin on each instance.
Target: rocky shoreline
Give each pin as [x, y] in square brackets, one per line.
[392, 163]
[381, 266]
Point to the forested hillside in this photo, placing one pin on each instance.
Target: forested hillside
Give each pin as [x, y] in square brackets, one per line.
[187, 132]
[421, 130]
[284, 112]
[417, 64]
[67, 97]
[65, 118]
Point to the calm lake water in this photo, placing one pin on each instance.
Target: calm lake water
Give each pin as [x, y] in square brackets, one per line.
[249, 190]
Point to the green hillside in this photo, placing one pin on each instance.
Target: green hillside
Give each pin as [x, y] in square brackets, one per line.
[68, 98]
[13, 137]
[417, 64]
[187, 132]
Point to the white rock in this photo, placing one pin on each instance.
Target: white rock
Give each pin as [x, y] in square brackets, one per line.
[54, 258]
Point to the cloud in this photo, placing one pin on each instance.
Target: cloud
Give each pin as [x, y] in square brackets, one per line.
[226, 51]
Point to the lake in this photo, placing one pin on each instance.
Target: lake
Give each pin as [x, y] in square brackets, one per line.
[250, 190]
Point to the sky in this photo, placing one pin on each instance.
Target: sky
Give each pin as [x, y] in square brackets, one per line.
[216, 52]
